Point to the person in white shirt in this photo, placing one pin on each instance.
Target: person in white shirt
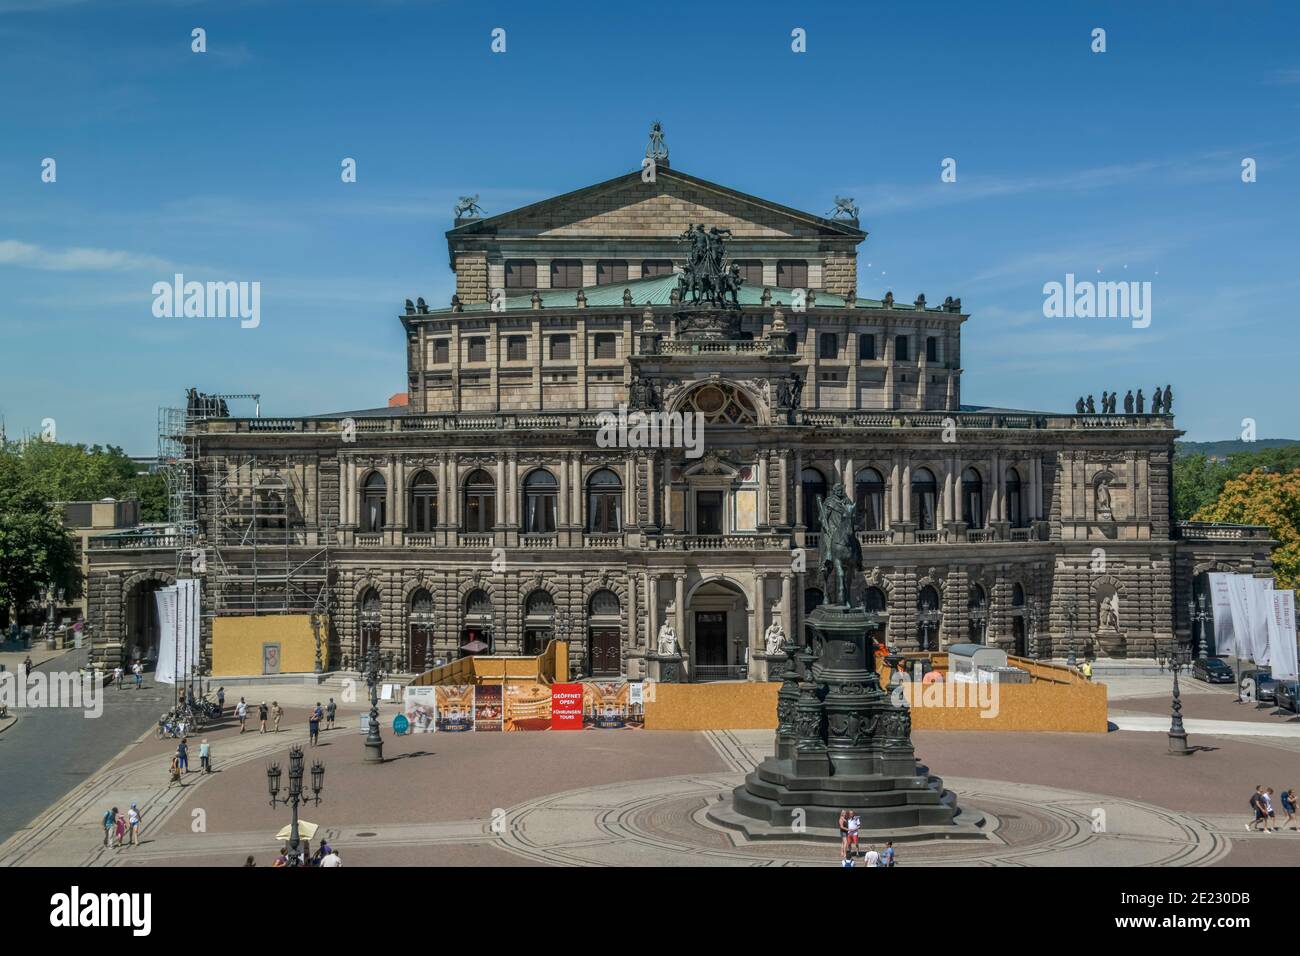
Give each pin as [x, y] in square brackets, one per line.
[331, 859]
[872, 858]
[117, 676]
[241, 714]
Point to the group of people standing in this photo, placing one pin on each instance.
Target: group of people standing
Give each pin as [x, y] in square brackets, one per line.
[850, 826]
[1261, 805]
[136, 671]
[119, 827]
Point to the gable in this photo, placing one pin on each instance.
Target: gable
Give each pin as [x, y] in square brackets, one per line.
[664, 209]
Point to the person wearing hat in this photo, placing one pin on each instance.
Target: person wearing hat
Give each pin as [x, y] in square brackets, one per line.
[261, 717]
[133, 822]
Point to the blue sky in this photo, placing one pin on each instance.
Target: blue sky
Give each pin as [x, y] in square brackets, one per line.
[225, 165]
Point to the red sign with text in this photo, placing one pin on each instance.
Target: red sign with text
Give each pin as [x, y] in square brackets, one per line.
[566, 706]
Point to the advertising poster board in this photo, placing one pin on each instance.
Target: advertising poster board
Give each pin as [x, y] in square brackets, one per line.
[566, 706]
[455, 707]
[421, 709]
[487, 707]
[528, 706]
[607, 705]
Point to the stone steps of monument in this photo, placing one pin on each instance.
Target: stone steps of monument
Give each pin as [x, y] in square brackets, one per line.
[923, 794]
[826, 816]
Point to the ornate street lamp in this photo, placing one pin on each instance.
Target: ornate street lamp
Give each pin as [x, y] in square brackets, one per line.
[1033, 629]
[1196, 611]
[295, 795]
[1177, 733]
[374, 675]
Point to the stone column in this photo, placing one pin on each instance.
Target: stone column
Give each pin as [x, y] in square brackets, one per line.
[453, 492]
[502, 492]
[757, 666]
[787, 606]
[446, 493]
[798, 489]
[652, 609]
[688, 653]
[562, 506]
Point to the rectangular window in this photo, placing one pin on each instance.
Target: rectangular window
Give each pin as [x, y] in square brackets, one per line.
[476, 349]
[656, 267]
[517, 348]
[931, 350]
[828, 346]
[560, 347]
[792, 274]
[521, 274]
[609, 271]
[751, 270]
[603, 347]
[866, 348]
[900, 348]
[566, 274]
[441, 351]
[708, 512]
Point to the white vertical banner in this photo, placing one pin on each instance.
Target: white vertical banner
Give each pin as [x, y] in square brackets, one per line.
[1282, 637]
[1261, 609]
[1225, 638]
[187, 627]
[165, 668]
[1240, 593]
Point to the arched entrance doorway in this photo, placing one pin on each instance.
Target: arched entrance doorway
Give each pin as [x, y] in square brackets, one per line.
[605, 634]
[368, 622]
[420, 648]
[539, 622]
[477, 637]
[142, 629]
[719, 620]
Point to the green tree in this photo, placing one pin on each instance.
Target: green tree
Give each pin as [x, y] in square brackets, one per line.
[1269, 498]
[35, 552]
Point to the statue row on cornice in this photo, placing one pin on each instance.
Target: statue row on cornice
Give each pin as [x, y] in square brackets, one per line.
[1162, 403]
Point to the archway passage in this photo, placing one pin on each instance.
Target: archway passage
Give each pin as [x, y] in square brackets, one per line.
[143, 632]
[605, 645]
[718, 618]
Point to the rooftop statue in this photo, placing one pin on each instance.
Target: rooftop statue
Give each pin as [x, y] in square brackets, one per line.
[466, 207]
[845, 208]
[657, 150]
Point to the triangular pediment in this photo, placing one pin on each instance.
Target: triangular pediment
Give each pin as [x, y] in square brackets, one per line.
[628, 206]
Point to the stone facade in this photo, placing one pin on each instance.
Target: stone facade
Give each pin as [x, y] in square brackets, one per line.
[492, 508]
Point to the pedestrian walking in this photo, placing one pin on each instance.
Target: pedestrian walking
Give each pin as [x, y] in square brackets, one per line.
[1269, 812]
[221, 703]
[313, 724]
[133, 823]
[1289, 806]
[138, 670]
[261, 717]
[1087, 670]
[241, 714]
[119, 828]
[872, 857]
[329, 714]
[205, 756]
[27, 666]
[183, 754]
[110, 824]
[174, 771]
[854, 825]
[844, 835]
[1257, 808]
[887, 858]
[276, 713]
[117, 676]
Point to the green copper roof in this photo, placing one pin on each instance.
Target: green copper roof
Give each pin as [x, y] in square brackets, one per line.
[658, 291]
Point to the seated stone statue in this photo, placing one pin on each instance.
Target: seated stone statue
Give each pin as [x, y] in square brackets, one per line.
[667, 642]
[773, 638]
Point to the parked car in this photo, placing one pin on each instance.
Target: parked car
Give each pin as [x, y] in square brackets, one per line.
[1287, 695]
[1212, 670]
[1265, 686]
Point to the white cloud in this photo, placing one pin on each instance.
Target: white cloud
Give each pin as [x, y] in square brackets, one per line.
[76, 258]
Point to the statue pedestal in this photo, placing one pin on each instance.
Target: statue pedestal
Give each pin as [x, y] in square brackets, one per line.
[664, 668]
[771, 667]
[840, 744]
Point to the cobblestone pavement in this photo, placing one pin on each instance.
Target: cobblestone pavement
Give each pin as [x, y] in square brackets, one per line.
[639, 798]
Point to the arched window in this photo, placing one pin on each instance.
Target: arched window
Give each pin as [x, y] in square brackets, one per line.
[424, 502]
[977, 610]
[972, 498]
[720, 404]
[480, 502]
[605, 604]
[478, 603]
[540, 489]
[814, 490]
[374, 503]
[604, 502]
[924, 492]
[1015, 506]
[869, 500]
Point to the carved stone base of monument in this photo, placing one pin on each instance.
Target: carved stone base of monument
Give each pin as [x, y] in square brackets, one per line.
[852, 750]
[1111, 643]
[773, 666]
[664, 668]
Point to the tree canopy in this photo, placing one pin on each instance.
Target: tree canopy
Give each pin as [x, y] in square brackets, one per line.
[1269, 498]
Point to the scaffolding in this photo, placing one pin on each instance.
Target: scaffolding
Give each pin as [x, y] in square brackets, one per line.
[241, 521]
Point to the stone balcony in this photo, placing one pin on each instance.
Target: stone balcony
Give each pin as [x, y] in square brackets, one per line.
[1214, 531]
